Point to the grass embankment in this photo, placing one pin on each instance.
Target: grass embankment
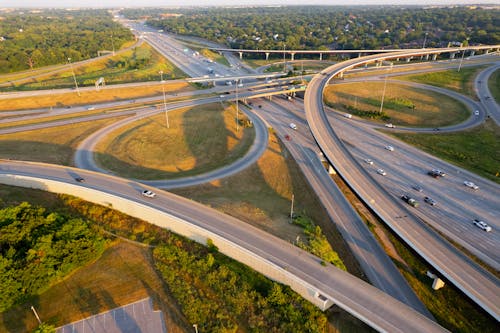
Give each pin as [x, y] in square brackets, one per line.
[477, 149]
[403, 105]
[461, 82]
[199, 139]
[91, 96]
[141, 63]
[51, 145]
[219, 58]
[494, 85]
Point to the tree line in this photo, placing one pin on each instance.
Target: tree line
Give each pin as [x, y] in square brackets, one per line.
[329, 27]
[30, 40]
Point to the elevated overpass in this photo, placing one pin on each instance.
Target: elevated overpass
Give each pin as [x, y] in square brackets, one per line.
[481, 286]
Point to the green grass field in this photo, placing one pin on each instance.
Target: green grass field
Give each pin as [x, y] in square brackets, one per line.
[403, 105]
[141, 63]
[494, 85]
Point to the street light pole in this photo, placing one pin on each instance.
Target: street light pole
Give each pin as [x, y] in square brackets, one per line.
[165, 105]
[291, 210]
[462, 59]
[237, 109]
[161, 75]
[284, 58]
[425, 39]
[383, 92]
[74, 77]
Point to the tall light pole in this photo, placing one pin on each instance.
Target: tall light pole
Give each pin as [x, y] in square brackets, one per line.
[74, 77]
[425, 39]
[112, 44]
[462, 59]
[383, 92]
[195, 328]
[237, 109]
[284, 58]
[291, 210]
[165, 105]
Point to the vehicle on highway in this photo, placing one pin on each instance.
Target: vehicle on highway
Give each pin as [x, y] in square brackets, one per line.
[347, 115]
[80, 179]
[440, 172]
[389, 148]
[381, 172]
[148, 193]
[476, 113]
[482, 225]
[430, 201]
[287, 137]
[390, 125]
[412, 202]
[471, 185]
[417, 188]
[433, 173]
[293, 126]
[90, 108]
[368, 161]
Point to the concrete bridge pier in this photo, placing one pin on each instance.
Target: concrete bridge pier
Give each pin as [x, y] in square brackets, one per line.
[293, 56]
[267, 55]
[472, 52]
[434, 56]
[409, 59]
[341, 75]
[452, 55]
[241, 55]
[331, 170]
[320, 56]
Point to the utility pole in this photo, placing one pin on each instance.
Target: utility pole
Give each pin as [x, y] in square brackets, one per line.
[425, 39]
[161, 75]
[74, 76]
[291, 210]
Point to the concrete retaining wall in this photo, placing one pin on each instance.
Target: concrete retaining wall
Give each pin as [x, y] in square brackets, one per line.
[274, 271]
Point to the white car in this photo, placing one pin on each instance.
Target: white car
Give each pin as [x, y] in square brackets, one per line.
[476, 113]
[481, 225]
[148, 194]
[390, 125]
[471, 185]
[348, 115]
[293, 126]
[389, 148]
[368, 161]
[381, 172]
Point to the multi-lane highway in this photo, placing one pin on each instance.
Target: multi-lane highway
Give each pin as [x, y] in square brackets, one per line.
[368, 303]
[481, 286]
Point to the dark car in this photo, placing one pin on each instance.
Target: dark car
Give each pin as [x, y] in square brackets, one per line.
[80, 179]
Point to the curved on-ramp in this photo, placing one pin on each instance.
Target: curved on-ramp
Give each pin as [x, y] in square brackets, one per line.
[481, 286]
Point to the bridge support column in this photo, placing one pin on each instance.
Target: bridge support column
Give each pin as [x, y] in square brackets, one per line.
[434, 56]
[331, 170]
[241, 55]
[267, 55]
[408, 59]
[487, 51]
[437, 283]
[427, 57]
[359, 55]
[293, 56]
[452, 55]
[320, 56]
[472, 52]
[341, 75]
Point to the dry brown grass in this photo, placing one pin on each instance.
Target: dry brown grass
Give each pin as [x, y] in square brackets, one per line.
[51, 145]
[199, 139]
[90, 96]
[431, 109]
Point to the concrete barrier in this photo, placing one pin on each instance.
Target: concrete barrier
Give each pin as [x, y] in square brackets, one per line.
[273, 270]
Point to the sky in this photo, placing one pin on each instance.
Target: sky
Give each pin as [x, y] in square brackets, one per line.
[158, 3]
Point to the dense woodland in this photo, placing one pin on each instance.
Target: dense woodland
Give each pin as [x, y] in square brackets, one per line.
[331, 27]
[40, 38]
[38, 248]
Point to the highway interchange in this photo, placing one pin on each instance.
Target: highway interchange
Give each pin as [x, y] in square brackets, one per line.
[405, 166]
